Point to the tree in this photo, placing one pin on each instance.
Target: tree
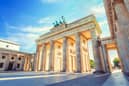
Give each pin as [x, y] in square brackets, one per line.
[116, 62]
[92, 63]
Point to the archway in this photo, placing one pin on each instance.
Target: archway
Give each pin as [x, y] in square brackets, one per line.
[114, 61]
[10, 66]
[58, 56]
[113, 58]
[71, 55]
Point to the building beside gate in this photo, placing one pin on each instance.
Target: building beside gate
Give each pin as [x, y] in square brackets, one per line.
[11, 59]
[65, 47]
[118, 18]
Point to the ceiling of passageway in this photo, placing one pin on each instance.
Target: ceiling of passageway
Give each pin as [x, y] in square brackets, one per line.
[111, 46]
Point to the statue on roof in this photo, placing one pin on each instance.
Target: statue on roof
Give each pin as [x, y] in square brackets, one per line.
[57, 23]
[54, 24]
[61, 21]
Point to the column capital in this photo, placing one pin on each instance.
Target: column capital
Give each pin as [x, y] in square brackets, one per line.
[93, 34]
[77, 34]
[65, 37]
[51, 40]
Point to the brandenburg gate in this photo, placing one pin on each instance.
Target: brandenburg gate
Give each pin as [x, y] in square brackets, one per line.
[65, 47]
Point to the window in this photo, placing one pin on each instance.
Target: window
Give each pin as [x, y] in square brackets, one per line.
[59, 47]
[71, 44]
[70, 50]
[3, 57]
[1, 65]
[73, 52]
[84, 41]
[18, 65]
[12, 58]
[7, 45]
[19, 58]
[59, 53]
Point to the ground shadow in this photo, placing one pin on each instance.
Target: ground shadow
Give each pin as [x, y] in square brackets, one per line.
[126, 76]
[89, 80]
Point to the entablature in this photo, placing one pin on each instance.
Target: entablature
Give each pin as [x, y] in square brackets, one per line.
[83, 24]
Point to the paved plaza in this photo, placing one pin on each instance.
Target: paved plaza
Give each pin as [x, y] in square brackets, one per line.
[62, 79]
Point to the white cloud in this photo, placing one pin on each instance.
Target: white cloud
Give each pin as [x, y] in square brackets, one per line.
[103, 23]
[31, 29]
[98, 10]
[105, 28]
[46, 20]
[25, 36]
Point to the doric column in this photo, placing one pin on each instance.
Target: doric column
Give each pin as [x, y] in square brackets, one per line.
[26, 67]
[102, 58]
[25, 63]
[51, 66]
[64, 53]
[126, 2]
[96, 51]
[29, 63]
[39, 58]
[88, 62]
[36, 58]
[78, 53]
[42, 57]
[122, 34]
[87, 58]
[104, 51]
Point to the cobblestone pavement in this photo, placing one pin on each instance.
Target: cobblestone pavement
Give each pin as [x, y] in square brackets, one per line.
[62, 79]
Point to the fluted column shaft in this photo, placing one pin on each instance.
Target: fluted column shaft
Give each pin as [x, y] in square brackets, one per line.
[36, 58]
[104, 51]
[64, 53]
[25, 64]
[122, 34]
[78, 52]
[42, 57]
[96, 51]
[51, 66]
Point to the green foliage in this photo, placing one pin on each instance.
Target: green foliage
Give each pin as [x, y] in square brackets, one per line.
[116, 62]
[92, 63]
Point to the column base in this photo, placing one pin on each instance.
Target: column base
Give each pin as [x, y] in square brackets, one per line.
[77, 71]
[99, 72]
[63, 71]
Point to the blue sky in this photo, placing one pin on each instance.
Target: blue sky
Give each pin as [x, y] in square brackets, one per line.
[23, 21]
